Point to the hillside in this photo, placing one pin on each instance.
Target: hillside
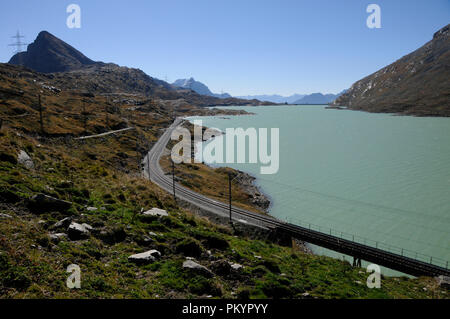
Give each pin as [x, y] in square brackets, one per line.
[68, 201]
[63, 64]
[416, 84]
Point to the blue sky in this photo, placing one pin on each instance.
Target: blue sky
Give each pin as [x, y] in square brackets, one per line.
[241, 47]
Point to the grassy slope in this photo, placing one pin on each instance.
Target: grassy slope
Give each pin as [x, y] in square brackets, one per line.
[212, 182]
[103, 173]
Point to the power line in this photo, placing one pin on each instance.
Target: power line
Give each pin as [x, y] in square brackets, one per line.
[377, 206]
[285, 203]
[18, 44]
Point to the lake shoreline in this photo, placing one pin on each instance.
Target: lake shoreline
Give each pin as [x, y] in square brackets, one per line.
[263, 199]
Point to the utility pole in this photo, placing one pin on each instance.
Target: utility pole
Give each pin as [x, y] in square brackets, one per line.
[18, 45]
[173, 180]
[84, 115]
[137, 155]
[148, 167]
[229, 194]
[41, 121]
[107, 117]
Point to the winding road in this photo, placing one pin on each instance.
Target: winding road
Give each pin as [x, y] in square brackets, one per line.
[164, 181]
[359, 251]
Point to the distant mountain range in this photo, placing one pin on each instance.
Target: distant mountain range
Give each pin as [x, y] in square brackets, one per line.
[275, 98]
[315, 98]
[318, 98]
[198, 87]
[416, 84]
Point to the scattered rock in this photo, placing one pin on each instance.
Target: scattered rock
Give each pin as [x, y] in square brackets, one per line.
[79, 231]
[156, 212]
[443, 282]
[24, 159]
[43, 203]
[91, 209]
[194, 267]
[63, 223]
[56, 238]
[144, 241]
[88, 227]
[5, 215]
[236, 267]
[145, 258]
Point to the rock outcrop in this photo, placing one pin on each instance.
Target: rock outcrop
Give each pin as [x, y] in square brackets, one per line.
[196, 268]
[145, 258]
[79, 231]
[43, 203]
[156, 212]
[25, 159]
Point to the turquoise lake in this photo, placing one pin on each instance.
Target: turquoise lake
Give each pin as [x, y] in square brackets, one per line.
[378, 179]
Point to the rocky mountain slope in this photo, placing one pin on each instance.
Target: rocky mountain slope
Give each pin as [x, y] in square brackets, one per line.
[198, 87]
[48, 54]
[64, 64]
[416, 84]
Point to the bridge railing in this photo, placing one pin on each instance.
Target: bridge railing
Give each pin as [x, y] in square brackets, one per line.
[372, 243]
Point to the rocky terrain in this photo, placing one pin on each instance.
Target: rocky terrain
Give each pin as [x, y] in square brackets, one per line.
[417, 84]
[64, 64]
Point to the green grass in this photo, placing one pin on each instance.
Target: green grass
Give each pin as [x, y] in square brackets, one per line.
[93, 174]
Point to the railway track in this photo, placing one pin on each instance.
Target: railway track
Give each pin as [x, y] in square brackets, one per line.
[357, 250]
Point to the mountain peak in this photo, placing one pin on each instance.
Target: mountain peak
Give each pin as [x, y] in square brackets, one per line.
[48, 54]
[44, 34]
[198, 87]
